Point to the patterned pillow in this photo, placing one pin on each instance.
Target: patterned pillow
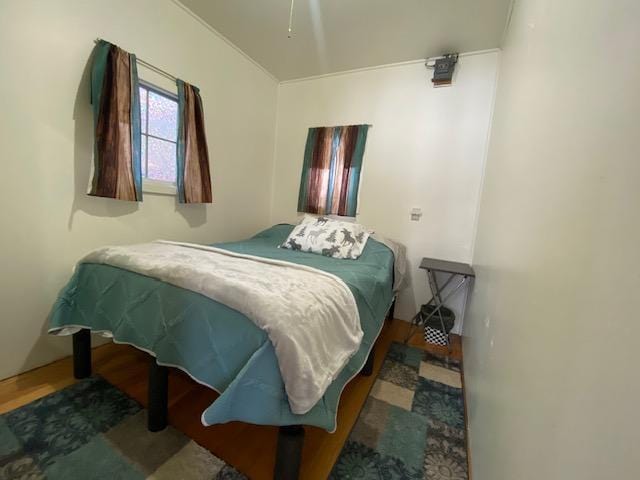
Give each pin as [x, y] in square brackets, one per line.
[331, 238]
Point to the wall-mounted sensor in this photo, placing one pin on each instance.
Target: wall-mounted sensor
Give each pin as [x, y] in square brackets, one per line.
[443, 69]
[416, 214]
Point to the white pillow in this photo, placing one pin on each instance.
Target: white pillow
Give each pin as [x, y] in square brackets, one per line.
[331, 238]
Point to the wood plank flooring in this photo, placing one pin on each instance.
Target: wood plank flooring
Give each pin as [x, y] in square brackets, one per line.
[249, 448]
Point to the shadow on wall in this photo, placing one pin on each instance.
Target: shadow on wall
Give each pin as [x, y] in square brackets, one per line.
[406, 304]
[83, 157]
[58, 346]
[194, 213]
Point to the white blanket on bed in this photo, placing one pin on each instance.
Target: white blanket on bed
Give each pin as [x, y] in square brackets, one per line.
[310, 316]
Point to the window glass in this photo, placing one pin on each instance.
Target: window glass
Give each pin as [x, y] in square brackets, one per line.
[143, 109]
[159, 119]
[163, 117]
[162, 160]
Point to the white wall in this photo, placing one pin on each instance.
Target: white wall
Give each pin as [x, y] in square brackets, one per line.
[551, 343]
[426, 149]
[45, 142]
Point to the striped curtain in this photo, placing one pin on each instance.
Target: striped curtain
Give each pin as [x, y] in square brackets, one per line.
[116, 116]
[331, 170]
[194, 179]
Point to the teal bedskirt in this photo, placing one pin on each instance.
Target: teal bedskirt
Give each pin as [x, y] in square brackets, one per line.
[217, 346]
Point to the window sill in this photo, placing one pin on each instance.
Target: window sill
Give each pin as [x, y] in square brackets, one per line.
[158, 188]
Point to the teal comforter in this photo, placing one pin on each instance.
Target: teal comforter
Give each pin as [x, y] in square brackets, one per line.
[218, 346]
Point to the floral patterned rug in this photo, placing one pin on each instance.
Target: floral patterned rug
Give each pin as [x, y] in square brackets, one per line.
[91, 430]
[412, 425]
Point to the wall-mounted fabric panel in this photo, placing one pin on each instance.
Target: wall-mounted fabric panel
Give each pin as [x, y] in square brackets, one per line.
[116, 113]
[331, 170]
[194, 178]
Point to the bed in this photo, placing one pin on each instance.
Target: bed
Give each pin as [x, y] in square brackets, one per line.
[216, 345]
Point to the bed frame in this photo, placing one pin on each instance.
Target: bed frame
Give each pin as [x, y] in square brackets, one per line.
[290, 437]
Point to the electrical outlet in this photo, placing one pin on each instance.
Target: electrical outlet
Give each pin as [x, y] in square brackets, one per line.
[416, 214]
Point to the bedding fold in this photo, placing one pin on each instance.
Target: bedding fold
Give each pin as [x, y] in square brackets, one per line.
[309, 315]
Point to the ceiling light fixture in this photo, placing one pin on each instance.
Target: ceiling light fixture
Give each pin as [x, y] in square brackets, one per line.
[290, 18]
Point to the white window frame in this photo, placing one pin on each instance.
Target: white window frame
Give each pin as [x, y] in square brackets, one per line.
[150, 185]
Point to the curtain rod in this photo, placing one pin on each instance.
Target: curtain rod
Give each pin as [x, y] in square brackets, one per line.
[350, 125]
[148, 65]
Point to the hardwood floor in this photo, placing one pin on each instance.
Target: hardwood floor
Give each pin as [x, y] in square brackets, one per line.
[249, 448]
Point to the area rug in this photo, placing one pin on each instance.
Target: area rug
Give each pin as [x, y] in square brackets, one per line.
[92, 430]
[412, 425]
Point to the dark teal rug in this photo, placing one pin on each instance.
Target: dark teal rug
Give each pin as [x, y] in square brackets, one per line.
[412, 425]
[92, 430]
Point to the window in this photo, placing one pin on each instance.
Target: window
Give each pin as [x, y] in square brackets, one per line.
[159, 122]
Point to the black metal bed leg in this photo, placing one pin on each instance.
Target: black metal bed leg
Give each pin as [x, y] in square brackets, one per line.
[391, 312]
[158, 396]
[82, 353]
[367, 370]
[289, 453]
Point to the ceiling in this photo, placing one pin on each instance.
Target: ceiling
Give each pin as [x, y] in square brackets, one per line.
[337, 35]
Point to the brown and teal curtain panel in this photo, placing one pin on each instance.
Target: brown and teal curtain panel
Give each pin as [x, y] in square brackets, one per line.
[116, 112]
[194, 179]
[331, 170]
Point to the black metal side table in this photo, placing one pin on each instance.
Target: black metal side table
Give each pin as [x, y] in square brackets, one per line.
[456, 270]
